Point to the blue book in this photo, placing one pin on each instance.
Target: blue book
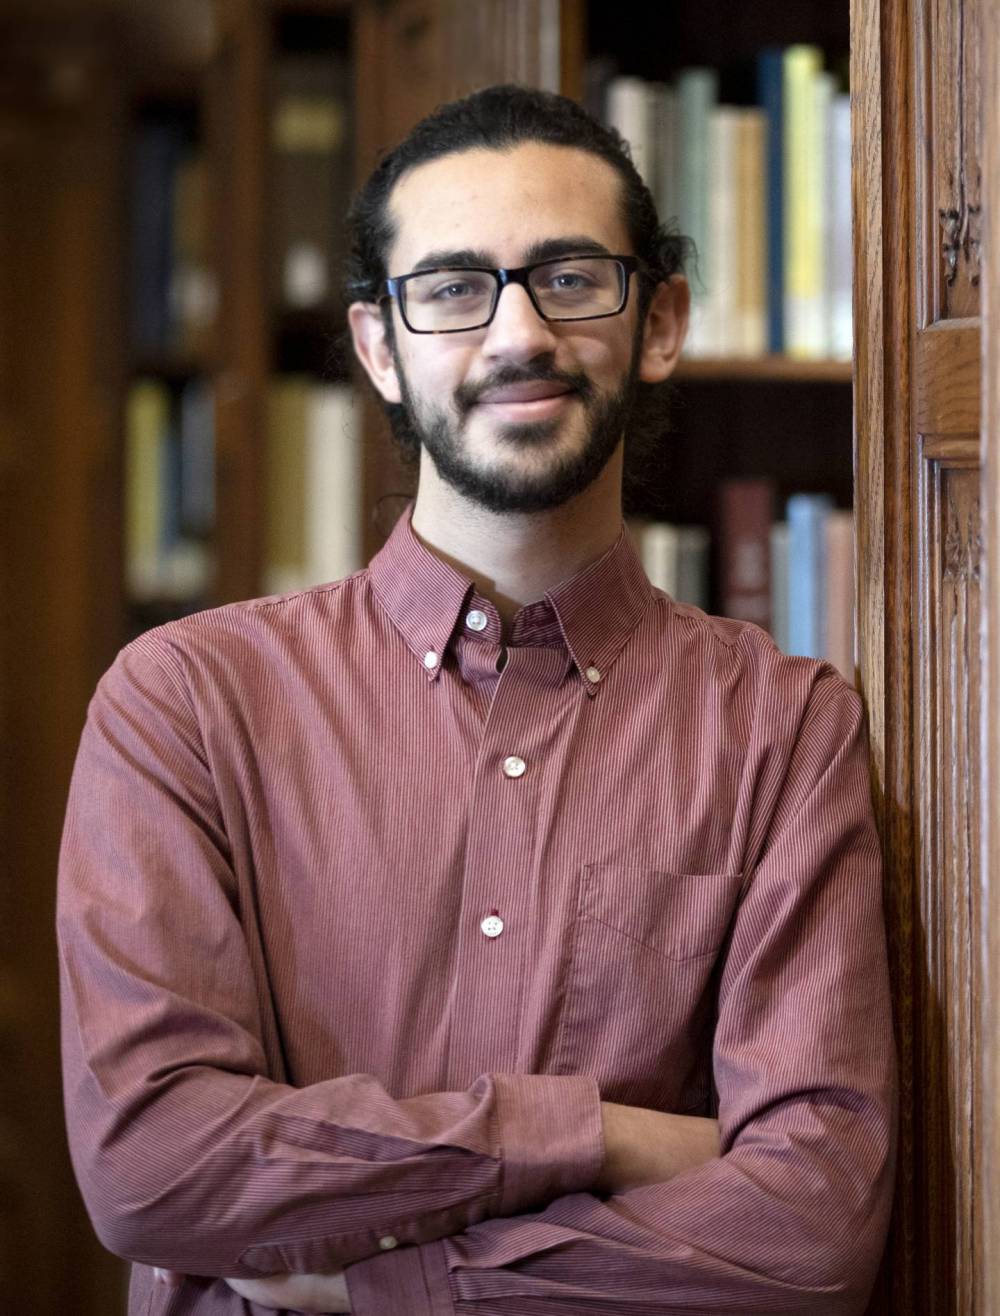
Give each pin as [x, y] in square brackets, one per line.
[770, 98]
[807, 515]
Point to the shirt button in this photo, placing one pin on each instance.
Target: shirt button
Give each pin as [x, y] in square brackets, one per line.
[513, 766]
[387, 1242]
[430, 658]
[492, 925]
[476, 620]
[593, 674]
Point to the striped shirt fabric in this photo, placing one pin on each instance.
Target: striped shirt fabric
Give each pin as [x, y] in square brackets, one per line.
[363, 910]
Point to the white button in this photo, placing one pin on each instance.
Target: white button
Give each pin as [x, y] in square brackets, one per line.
[387, 1243]
[430, 658]
[593, 674]
[476, 620]
[513, 766]
[492, 925]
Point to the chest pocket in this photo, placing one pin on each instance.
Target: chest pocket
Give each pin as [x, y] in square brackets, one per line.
[638, 1006]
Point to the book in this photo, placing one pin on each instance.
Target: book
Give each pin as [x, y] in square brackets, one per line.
[314, 530]
[839, 260]
[333, 483]
[158, 148]
[310, 179]
[749, 336]
[659, 550]
[770, 96]
[807, 515]
[804, 144]
[697, 94]
[745, 511]
[147, 422]
[838, 608]
[779, 584]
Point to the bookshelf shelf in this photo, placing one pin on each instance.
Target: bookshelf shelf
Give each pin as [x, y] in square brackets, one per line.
[775, 368]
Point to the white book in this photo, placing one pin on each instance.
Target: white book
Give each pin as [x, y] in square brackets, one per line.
[628, 110]
[839, 252]
[333, 484]
[692, 566]
[723, 156]
[659, 550]
[664, 137]
[779, 584]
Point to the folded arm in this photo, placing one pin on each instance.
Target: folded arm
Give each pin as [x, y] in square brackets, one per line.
[190, 1152]
[792, 1216]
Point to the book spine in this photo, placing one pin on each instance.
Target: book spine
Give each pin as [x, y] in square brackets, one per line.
[770, 95]
[751, 235]
[779, 585]
[285, 556]
[744, 517]
[838, 647]
[806, 551]
[697, 94]
[659, 549]
[147, 420]
[803, 246]
[720, 301]
[693, 566]
[333, 472]
[840, 257]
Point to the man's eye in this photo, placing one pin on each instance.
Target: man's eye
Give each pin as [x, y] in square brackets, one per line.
[566, 281]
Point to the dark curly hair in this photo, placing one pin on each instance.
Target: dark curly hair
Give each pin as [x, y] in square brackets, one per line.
[498, 118]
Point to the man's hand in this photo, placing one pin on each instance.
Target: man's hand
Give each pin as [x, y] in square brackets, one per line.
[648, 1146]
[326, 1292]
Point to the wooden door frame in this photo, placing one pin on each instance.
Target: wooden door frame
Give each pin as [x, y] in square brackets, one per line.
[989, 1068]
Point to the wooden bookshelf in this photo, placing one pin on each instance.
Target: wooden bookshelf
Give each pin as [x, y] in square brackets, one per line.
[771, 369]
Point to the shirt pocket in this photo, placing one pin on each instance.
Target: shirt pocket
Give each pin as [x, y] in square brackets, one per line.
[638, 1007]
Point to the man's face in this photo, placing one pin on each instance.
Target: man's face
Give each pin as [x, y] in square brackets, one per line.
[522, 414]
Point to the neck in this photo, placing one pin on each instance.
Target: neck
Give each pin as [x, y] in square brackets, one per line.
[514, 557]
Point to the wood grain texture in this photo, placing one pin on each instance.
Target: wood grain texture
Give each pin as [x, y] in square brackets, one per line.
[236, 138]
[948, 773]
[987, 1113]
[917, 397]
[883, 190]
[946, 396]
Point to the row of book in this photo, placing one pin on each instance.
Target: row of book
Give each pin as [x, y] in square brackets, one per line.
[763, 190]
[312, 484]
[794, 576]
[174, 290]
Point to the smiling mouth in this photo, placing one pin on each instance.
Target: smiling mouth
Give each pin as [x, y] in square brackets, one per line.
[527, 408]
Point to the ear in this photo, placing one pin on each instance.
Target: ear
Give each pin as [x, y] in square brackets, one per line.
[372, 348]
[665, 329]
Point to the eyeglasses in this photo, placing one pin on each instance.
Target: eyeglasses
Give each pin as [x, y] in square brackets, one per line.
[450, 301]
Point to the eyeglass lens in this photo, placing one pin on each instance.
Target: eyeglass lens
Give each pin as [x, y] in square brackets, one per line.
[568, 289]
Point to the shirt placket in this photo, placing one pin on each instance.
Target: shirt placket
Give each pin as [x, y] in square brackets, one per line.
[500, 893]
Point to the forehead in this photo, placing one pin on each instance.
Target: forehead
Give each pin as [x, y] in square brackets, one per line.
[504, 202]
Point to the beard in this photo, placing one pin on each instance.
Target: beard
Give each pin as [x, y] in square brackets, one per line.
[549, 483]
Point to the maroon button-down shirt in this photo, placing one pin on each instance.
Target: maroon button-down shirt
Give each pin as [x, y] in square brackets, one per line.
[360, 920]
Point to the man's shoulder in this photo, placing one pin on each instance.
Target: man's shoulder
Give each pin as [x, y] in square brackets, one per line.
[256, 630]
[730, 652]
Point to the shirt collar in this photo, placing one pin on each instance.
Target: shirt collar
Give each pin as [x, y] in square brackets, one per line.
[595, 611]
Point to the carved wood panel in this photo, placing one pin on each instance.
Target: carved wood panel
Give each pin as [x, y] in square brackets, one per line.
[949, 126]
[948, 777]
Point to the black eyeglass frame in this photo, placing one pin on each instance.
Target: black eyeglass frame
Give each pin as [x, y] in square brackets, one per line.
[502, 277]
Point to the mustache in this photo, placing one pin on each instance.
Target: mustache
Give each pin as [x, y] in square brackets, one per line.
[468, 395]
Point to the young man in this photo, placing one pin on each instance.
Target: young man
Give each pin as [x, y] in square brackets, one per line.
[416, 928]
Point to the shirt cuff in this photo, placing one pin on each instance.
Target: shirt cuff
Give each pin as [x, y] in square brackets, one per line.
[551, 1137]
[413, 1280]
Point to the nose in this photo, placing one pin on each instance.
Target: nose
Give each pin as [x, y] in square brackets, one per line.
[517, 332]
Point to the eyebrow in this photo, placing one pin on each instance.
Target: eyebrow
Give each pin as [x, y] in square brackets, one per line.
[548, 249]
